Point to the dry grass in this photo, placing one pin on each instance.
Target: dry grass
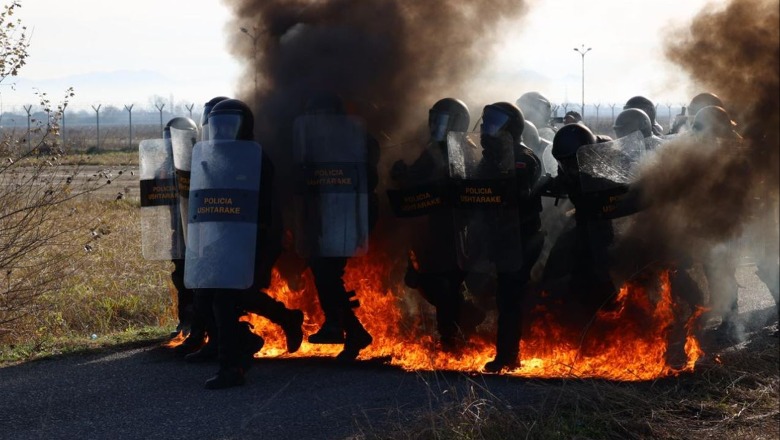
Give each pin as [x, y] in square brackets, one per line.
[107, 286]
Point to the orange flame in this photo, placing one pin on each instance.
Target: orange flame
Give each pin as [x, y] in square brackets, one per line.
[629, 342]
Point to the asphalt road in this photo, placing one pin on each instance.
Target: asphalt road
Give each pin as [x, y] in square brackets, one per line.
[148, 393]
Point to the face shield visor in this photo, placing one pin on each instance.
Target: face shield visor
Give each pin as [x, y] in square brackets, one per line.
[437, 124]
[224, 126]
[493, 121]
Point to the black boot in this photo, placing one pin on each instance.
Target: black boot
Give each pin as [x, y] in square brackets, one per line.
[292, 326]
[357, 338]
[226, 378]
[291, 321]
[503, 362]
[207, 353]
[331, 332]
[251, 343]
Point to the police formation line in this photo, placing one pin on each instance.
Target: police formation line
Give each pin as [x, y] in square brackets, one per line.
[208, 205]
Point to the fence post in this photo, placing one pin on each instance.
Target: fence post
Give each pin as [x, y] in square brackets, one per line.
[27, 108]
[597, 114]
[97, 115]
[62, 131]
[130, 124]
[160, 108]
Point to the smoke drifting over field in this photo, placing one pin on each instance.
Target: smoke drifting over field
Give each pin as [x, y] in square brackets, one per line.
[703, 196]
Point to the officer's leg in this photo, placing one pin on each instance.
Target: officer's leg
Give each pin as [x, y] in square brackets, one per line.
[510, 292]
[328, 274]
[185, 306]
[203, 324]
[291, 321]
[230, 339]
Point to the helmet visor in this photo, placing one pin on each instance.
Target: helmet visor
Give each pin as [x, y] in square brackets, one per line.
[438, 123]
[224, 126]
[493, 121]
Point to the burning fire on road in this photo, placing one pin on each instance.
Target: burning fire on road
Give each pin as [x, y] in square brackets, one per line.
[629, 342]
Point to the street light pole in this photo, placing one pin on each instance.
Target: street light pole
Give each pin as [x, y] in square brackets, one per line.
[582, 51]
[253, 35]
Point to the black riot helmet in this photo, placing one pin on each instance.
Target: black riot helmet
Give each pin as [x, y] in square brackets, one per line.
[204, 118]
[643, 104]
[231, 119]
[631, 120]
[448, 114]
[536, 108]
[325, 103]
[703, 100]
[569, 139]
[714, 121]
[503, 116]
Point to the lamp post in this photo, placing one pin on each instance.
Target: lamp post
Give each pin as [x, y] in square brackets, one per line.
[253, 35]
[582, 51]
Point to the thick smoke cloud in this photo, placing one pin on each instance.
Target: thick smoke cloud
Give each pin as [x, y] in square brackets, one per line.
[389, 59]
[702, 196]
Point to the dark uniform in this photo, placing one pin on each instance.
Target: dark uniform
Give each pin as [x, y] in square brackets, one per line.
[512, 286]
[582, 250]
[341, 324]
[434, 270]
[235, 341]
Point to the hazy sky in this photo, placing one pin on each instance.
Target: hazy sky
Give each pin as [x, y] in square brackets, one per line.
[126, 52]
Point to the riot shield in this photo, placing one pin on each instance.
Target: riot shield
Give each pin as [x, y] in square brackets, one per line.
[182, 142]
[549, 162]
[485, 213]
[424, 188]
[161, 237]
[331, 199]
[422, 200]
[223, 213]
[606, 170]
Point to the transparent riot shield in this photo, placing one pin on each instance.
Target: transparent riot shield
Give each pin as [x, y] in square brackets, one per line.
[331, 200]
[223, 213]
[549, 162]
[424, 187]
[182, 142]
[161, 237]
[422, 200]
[484, 200]
[606, 170]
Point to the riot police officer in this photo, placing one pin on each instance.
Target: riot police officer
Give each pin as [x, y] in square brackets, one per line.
[433, 270]
[336, 208]
[195, 346]
[231, 198]
[648, 107]
[683, 121]
[519, 242]
[713, 124]
[537, 109]
[580, 252]
[185, 296]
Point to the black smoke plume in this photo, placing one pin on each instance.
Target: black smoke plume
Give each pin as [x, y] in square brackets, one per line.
[390, 60]
[704, 197]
